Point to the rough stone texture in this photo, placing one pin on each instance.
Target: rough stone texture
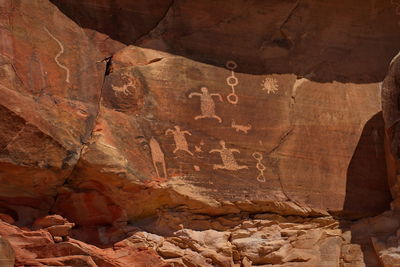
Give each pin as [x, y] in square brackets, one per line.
[105, 120]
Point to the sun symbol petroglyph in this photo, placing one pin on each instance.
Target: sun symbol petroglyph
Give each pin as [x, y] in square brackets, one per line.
[270, 85]
[207, 104]
[228, 159]
[59, 54]
[157, 156]
[260, 167]
[180, 139]
[132, 83]
[241, 128]
[232, 81]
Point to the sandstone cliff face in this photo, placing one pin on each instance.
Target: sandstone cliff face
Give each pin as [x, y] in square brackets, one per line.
[204, 134]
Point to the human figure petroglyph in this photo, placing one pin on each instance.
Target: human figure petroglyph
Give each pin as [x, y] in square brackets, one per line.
[157, 156]
[228, 159]
[232, 81]
[207, 104]
[241, 128]
[270, 85]
[132, 83]
[59, 54]
[260, 167]
[180, 139]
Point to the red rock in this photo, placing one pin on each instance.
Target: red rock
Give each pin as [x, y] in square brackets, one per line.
[48, 221]
[6, 218]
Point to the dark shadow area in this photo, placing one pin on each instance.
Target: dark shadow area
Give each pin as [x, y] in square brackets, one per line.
[346, 41]
[367, 189]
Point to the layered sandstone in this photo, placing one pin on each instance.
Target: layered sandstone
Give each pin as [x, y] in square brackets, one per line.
[211, 135]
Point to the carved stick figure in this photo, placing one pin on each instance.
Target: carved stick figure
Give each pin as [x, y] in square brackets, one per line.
[158, 156]
[228, 159]
[260, 167]
[180, 139]
[207, 105]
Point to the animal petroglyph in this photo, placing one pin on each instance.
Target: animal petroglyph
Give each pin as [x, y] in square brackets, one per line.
[180, 139]
[228, 159]
[157, 156]
[232, 81]
[59, 54]
[241, 128]
[207, 105]
[132, 83]
[260, 167]
[270, 85]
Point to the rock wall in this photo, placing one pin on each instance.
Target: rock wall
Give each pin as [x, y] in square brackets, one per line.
[170, 125]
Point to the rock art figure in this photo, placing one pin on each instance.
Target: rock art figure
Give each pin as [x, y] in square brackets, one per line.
[260, 167]
[180, 139]
[158, 157]
[270, 85]
[199, 147]
[132, 82]
[232, 81]
[59, 54]
[207, 105]
[241, 128]
[228, 159]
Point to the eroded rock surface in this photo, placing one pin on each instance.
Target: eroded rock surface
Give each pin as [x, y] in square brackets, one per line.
[210, 136]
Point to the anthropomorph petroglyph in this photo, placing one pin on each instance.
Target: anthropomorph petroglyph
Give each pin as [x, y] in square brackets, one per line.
[132, 83]
[180, 139]
[59, 54]
[157, 156]
[270, 85]
[241, 128]
[228, 159]
[232, 81]
[260, 167]
[207, 105]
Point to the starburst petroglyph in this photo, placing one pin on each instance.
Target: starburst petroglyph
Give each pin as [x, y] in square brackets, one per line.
[180, 139]
[228, 159]
[207, 105]
[270, 85]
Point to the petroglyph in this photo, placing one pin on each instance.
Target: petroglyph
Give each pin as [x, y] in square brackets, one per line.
[228, 159]
[241, 128]
[59, 54]
[180, 139]
[270, 85]
[260, 167]
[132, 83]
[199, 147]
[196, 168]
[207, 105]
[157, 156]
[232, 81]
